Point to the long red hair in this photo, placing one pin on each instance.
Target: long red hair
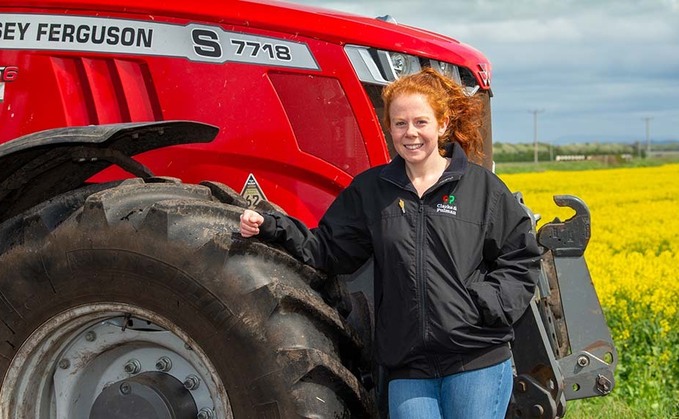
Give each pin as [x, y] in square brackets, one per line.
[448, 100]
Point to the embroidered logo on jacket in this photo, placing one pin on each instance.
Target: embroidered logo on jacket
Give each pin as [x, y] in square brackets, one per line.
[447, 205]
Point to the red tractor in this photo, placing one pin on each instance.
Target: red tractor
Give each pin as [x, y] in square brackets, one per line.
[125, 289]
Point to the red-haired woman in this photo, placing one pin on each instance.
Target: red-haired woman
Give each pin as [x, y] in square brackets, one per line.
[456, 261]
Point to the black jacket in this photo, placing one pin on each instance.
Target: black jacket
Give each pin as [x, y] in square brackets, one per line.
[453, 270]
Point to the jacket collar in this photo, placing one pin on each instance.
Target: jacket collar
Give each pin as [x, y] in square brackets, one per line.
[395, 171]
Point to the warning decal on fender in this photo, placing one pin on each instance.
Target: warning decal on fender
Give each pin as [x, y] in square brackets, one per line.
[195, 42]
[252, 192]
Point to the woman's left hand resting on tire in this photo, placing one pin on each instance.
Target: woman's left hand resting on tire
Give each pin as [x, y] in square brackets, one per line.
[249, 223]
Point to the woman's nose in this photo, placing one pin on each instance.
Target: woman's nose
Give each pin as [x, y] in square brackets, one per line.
[411, 131]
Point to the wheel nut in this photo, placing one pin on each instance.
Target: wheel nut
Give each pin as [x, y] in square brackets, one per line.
[164, 364]
[205, 413]
[191, 382]
[90, 336]
[132, 366]
[64, 364]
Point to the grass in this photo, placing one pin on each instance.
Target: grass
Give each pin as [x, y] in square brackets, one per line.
[523, 167]
[612, 407]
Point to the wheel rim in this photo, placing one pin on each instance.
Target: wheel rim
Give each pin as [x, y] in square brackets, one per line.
[90, 358]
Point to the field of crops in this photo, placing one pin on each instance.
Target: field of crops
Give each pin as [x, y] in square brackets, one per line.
[633, 257]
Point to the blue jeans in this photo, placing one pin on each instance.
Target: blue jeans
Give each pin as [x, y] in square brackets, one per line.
[477, 394]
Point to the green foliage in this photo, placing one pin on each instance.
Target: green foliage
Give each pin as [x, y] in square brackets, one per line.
[647, 374]
[648, 370]
[544, 165]
[523, 152]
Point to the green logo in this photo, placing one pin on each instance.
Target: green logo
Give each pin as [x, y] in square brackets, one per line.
[448, 199]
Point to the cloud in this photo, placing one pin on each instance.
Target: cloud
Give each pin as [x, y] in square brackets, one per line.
[594, 66]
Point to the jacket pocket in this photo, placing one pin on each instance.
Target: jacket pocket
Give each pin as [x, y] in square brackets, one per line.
[487, 300]
[469, 282]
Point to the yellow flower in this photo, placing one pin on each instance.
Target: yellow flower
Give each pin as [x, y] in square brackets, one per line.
[633, 253]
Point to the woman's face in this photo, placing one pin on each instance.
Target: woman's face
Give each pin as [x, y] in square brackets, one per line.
[414, 128]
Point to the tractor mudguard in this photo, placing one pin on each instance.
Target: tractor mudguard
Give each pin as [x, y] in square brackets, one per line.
[39, 166]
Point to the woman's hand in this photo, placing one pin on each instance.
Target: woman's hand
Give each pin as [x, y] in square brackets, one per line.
[249, 223]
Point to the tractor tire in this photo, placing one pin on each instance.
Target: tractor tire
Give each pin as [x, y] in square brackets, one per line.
[141, 300]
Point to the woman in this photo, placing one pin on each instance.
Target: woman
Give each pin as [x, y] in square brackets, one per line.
[455, 260]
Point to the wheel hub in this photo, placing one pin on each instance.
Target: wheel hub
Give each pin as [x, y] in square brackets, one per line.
[111, 361]
[150, 395]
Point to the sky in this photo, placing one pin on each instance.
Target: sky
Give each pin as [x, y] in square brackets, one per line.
[583, 70]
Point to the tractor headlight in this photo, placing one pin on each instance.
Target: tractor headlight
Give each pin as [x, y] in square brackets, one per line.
[447, 69]
[452, 71]
[396, 64]
[381, 67]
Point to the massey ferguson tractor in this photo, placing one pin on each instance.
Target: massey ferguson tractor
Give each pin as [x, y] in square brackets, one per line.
[134, 133]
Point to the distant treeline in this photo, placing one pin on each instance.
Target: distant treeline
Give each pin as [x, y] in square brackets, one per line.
[509, 152]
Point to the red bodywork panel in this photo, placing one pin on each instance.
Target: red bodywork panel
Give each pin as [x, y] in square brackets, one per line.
[274, 77]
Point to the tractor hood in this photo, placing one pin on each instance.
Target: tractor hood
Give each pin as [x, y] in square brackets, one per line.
[42, 165]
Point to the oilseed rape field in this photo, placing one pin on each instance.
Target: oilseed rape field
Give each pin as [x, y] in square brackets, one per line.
[633, 257]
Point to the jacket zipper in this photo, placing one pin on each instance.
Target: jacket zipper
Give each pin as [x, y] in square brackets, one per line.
[432, 358]
[419, 260]
[422, 281]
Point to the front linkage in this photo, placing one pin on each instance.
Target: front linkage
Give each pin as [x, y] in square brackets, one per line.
[563, 348]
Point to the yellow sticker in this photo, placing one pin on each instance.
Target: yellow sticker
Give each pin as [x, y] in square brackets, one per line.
[252, 192]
